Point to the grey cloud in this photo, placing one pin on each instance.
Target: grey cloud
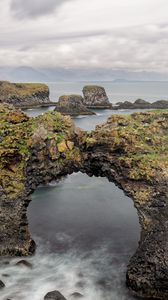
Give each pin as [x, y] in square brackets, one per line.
[34, 8]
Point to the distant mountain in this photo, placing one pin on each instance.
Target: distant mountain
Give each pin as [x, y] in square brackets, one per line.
[29, 74]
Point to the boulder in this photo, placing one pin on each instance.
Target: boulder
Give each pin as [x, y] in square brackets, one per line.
[24, 263]
[72, 105]
[76, 295]
[95, 97]
[55, 295]
[2, 285]
[24, 94]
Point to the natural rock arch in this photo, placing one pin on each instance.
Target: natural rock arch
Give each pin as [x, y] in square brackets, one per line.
[130, 151]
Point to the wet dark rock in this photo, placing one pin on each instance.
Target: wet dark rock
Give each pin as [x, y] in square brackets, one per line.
[141, 104]
[76, 295]
[24, 263]
[5, 275]
[72, 105]
[2, 285]
[95, 97]
[55, 295]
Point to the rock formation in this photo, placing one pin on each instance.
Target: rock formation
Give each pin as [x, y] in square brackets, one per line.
[141, 104]
[95, 97]
[24, 94]
[72, 105]
[131, 151]
[55, 295]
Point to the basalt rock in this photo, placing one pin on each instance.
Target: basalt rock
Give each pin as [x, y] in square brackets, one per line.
[24, 94]
[95, 97]
[2, 285]
[72, 105]
[142, 104]
[131, 151]
[55, 295]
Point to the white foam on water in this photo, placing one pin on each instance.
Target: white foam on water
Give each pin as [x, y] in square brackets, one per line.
[92, 274]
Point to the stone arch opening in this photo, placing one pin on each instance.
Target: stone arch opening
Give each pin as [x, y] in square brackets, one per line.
[91, 217]
[85, 207]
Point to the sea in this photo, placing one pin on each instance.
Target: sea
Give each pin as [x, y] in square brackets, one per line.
[86, 229]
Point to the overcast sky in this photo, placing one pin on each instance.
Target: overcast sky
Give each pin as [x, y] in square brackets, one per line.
[117, 34]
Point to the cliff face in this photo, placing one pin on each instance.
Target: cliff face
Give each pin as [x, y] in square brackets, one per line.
[95, 97]
[131, 151]
[24, 94]
[72, 105]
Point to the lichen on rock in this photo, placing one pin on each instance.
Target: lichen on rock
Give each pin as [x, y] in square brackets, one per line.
[95, 97]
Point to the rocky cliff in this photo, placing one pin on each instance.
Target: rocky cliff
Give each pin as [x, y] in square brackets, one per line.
[24, 94]
[95, 97]
[72, 105]
[131, 151]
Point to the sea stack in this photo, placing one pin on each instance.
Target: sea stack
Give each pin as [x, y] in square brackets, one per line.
[95, 97]
[24, 94]
[72, 105]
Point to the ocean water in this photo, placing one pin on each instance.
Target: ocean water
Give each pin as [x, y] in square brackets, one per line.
[86, 229]
[116, 91]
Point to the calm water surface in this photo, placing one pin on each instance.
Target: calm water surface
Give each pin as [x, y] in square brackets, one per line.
[85, 228]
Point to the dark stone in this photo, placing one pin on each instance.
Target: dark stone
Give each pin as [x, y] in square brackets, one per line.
[141, 104]
[76, 295]
[24, 263]
[72, 105]
[2, 285]
[55, 295]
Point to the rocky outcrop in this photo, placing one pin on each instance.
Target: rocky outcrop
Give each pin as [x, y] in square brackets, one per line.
[72, 105]
[142, 104]
[24, 94]
[55, 295]
[131, 151]
[95, 97]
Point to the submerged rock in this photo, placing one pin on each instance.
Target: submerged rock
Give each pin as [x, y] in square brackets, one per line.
[76, 295]
[24, 263]
[24, 94]
[2, 285]
[55, 295]
[72, 105]
[95, 97]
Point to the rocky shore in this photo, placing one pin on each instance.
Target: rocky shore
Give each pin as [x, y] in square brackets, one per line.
[72, 105]
[24, 94]
[131, 151]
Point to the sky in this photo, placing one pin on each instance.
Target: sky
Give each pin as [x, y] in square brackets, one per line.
[129, 35]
